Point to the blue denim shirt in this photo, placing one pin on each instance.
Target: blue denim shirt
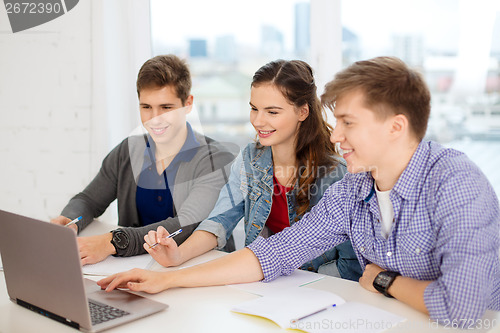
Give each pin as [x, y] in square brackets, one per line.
[248, 195]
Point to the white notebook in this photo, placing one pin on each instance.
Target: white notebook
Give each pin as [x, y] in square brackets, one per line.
[314, 311]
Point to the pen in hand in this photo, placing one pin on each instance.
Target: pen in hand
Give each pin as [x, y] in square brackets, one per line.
[74, 221]
[169, 236]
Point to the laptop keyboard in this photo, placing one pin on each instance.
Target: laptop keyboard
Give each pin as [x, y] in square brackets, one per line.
[100, 313]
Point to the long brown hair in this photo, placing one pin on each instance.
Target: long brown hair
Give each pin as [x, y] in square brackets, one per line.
[313, 151]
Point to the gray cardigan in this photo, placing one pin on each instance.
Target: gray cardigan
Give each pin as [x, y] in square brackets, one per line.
[195, 190]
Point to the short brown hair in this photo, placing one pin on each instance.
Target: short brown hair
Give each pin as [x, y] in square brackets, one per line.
[165, 70]
[389, 87]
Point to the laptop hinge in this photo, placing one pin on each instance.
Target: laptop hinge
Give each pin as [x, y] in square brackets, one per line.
[47, 314]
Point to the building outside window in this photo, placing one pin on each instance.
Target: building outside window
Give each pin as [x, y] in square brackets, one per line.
[454, 43]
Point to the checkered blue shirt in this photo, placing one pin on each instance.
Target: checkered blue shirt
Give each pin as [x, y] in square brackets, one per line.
[446, 230]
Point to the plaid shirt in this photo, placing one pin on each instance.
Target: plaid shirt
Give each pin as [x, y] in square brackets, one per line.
[446, 230]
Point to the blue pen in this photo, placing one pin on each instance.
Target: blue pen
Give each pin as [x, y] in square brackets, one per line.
[74, 221]
[311, 314]
[169, 236]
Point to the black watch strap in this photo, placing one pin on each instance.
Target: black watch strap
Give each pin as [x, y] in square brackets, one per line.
[383, 281]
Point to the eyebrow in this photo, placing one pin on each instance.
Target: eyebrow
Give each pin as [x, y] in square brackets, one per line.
[343, 115]
[166, 104]
[267, 107]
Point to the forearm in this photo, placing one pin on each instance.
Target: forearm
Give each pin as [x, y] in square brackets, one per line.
[79, 207]
[410, 292]
[197, 244]
[238, 267]
[94, 249]
[136, 235]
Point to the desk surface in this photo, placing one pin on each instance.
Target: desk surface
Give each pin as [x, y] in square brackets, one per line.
[207, 309]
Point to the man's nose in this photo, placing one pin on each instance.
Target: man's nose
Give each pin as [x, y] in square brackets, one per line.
[337, 135]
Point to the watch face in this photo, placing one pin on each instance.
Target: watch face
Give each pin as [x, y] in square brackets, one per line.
[120, 240]
[383, 279]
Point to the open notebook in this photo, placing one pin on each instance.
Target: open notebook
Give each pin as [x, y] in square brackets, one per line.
[315, 311]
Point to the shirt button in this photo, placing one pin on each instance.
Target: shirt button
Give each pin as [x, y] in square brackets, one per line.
[159, 198]
[418, 250]
[362, 249]
[389, 253]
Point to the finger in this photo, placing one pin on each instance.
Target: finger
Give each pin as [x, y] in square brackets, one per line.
[161, 232]
[62, 220]
[168, 242]
[146, 285]
[121, 280]
[103, 283]
[87, 260]
[83, 253]
[135, 286]
[148, 248]
[150, 237]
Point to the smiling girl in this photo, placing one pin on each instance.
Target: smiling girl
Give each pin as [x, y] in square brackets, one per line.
[276, 180]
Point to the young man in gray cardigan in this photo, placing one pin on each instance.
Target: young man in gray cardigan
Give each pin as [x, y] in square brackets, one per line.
[170, 177]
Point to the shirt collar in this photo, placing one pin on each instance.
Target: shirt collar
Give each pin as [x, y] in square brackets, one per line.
[263, 160]
[367, 189]
[406, 184]
[409, 183]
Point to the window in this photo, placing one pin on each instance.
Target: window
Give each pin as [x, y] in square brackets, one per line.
[456, 45]
[225, 42]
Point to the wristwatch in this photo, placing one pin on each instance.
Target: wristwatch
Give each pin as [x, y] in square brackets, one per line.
[383, 281]
[120, 241]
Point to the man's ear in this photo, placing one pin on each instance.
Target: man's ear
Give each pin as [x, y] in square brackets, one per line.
[189, 104]
[303, 112]
[399, 125]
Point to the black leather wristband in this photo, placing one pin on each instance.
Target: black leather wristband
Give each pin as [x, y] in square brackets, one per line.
[383, 281]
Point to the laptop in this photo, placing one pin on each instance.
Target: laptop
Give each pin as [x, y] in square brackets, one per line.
[41, 263]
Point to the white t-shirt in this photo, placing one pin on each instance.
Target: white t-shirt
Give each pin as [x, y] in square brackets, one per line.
[386, 211]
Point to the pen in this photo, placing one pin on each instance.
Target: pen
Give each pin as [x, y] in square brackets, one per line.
[169, 236]
[74, 221]
[312, 314]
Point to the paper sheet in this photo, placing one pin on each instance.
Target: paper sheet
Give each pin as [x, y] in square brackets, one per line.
[350, 317]
[296, 279]
[113, 265]
[287, 307]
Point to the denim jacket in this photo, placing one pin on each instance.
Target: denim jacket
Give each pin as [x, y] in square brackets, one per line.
[248, 195]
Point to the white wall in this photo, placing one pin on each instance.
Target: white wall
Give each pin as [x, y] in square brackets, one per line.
[67, 95]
